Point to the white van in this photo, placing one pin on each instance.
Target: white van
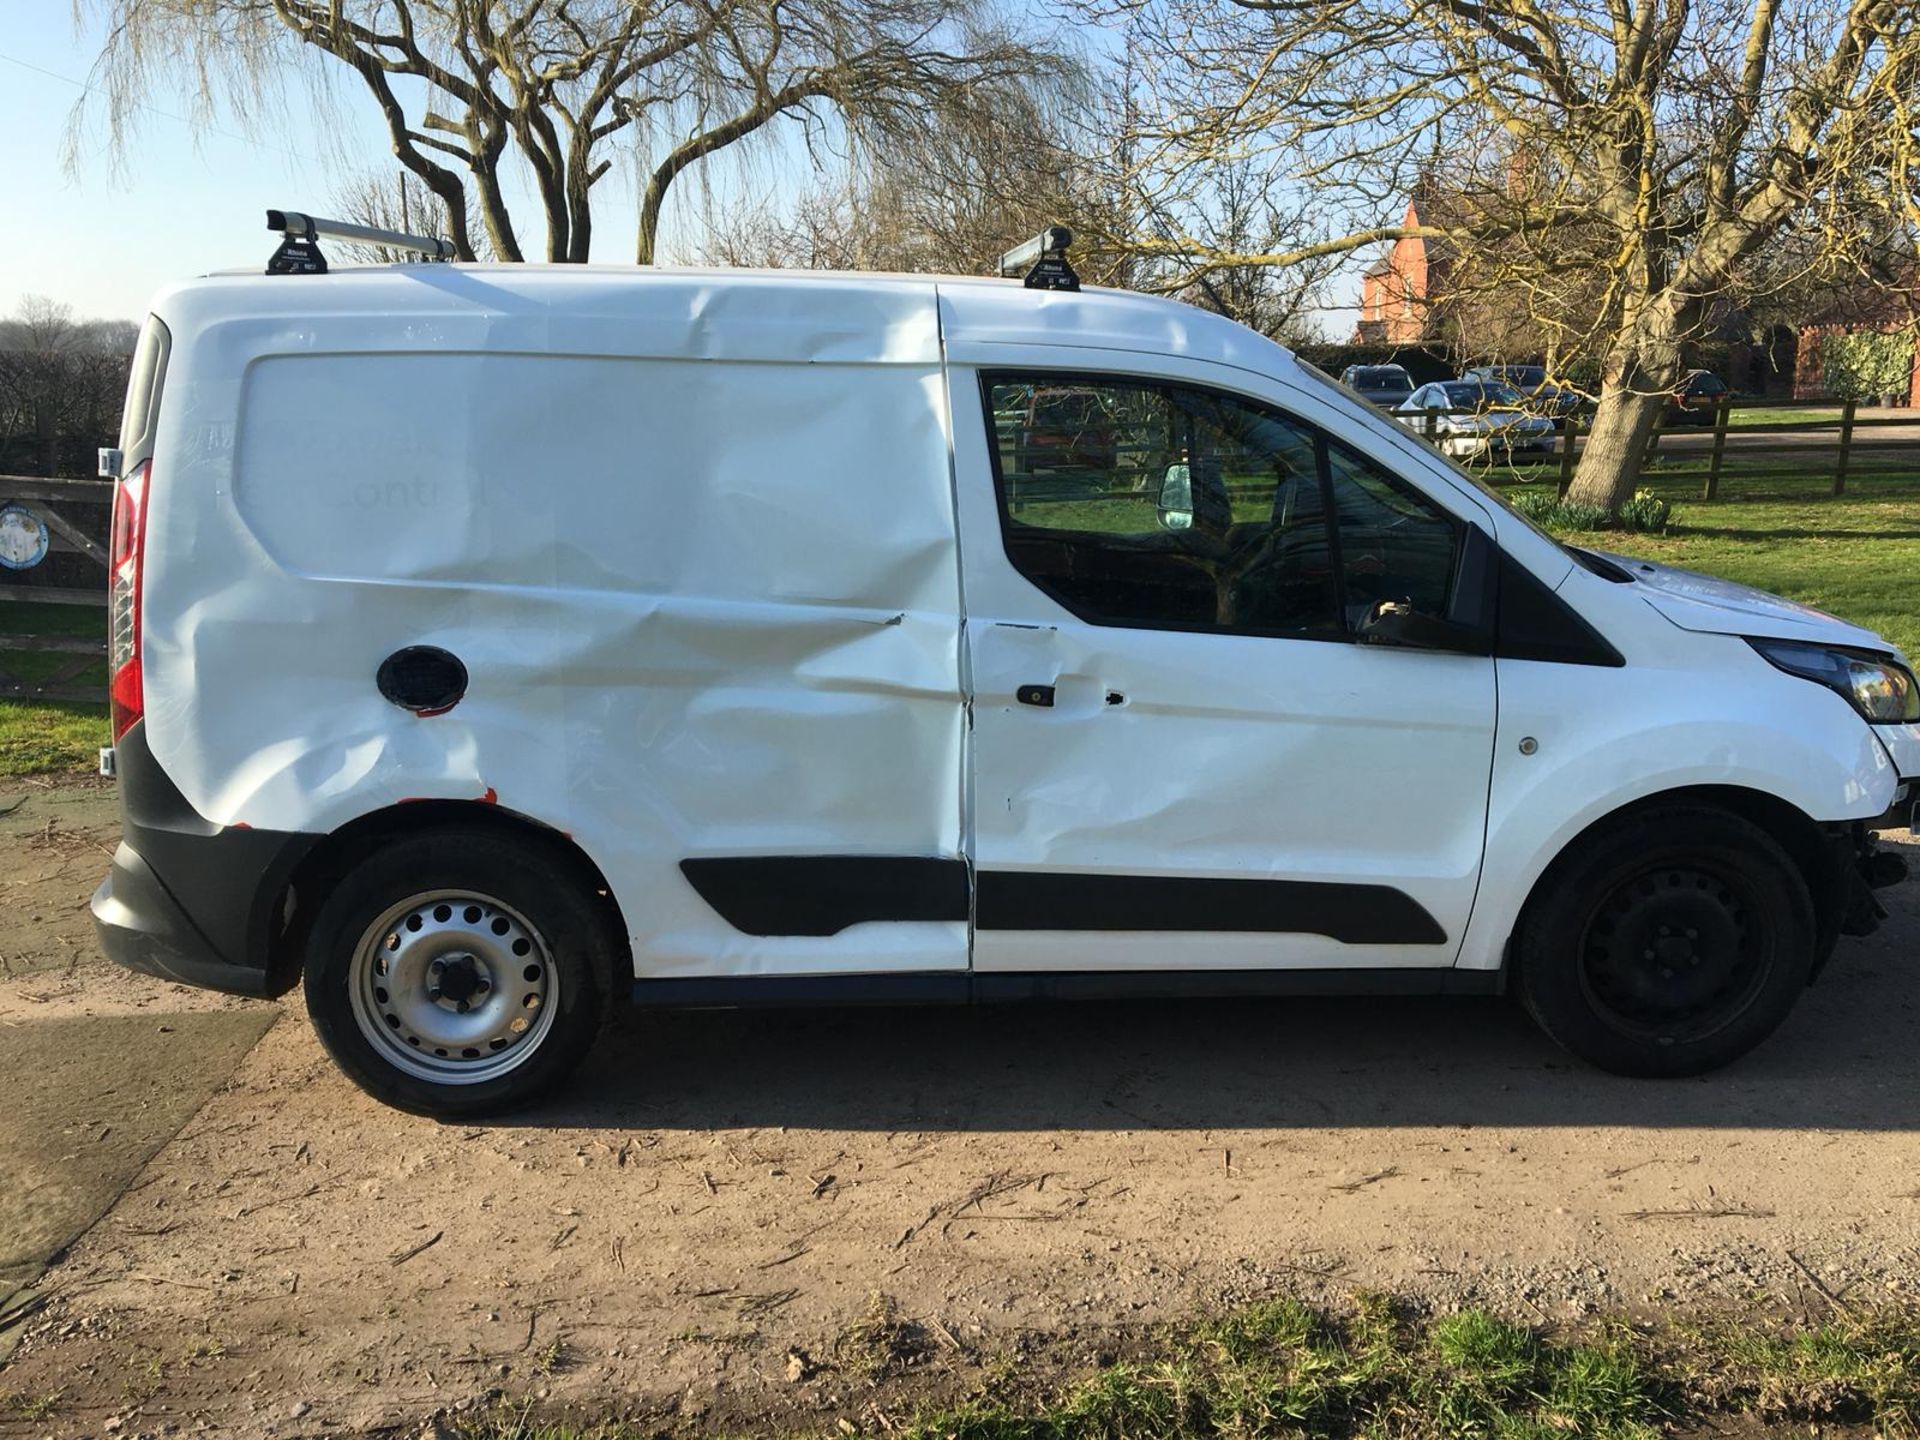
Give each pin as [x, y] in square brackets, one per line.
[492, 644]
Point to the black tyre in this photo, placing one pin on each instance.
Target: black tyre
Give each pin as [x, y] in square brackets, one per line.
[456, 973]
[1667, 943]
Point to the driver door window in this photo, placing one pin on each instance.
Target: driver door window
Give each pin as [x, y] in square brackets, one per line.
[1159, 506]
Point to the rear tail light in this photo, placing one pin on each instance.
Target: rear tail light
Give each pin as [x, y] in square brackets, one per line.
[127, 552]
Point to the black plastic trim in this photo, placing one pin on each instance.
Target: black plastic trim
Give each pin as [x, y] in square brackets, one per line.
[1021, 986]
[199, 905]
[824, 894]
[1536, 624]
[1353, 914]
[1902, 813]
[142, 927]
[960, 987]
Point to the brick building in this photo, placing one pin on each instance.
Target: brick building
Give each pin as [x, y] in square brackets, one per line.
[1396, 293]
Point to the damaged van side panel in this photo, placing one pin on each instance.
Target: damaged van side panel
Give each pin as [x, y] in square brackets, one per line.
[690, 658]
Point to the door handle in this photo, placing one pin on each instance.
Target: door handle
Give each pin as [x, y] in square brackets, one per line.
[1041, 695]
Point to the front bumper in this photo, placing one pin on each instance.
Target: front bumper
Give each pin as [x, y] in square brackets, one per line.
[1902, 814]
[1902, 744]
[186, 899]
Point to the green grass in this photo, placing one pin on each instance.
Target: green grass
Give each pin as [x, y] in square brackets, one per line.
[39, 736]
[1784, 415]
[50, 735]
[1284, 1369]
[1378, 1370]
[29, 1407]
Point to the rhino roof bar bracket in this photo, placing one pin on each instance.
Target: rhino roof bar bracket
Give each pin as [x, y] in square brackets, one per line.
[1042, 261]
[299, 252]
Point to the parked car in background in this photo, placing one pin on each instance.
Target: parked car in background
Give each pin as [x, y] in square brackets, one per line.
[1383, 385]
[1064, 431]
[1544, 396]
[1696, 397]
[1468, 419]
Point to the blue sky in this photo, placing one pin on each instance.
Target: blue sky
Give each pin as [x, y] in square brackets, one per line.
[183, 200]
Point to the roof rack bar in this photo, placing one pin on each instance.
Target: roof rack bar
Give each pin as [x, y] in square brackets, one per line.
[299, 252]
[1042, 261]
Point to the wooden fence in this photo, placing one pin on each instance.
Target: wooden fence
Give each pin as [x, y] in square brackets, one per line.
[51, 502]
[1849, 443]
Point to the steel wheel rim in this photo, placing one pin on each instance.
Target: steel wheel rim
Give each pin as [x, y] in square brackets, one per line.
[453, 987]
[1675, 952]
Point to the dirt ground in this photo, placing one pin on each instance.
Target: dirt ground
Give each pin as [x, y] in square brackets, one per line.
[697, 1227]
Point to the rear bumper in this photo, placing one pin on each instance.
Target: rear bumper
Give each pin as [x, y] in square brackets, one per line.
[142, 927]
[189, 900]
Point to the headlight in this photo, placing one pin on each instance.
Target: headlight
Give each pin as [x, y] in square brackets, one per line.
[1881, 689]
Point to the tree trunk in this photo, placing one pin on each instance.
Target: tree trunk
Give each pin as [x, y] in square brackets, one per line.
[579, 210]
[1641, 371]
[1610, 460]
[493, 204]
[648, 238]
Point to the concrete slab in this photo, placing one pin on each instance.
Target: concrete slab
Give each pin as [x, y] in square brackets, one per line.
[86, 1103]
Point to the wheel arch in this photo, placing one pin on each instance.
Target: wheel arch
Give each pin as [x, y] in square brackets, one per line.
[327, 861]
[1820, 851]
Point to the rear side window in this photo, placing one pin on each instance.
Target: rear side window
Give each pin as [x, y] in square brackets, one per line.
[1188, 509]
[142, 409]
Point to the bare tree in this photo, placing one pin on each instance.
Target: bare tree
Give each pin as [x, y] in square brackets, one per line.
[397, 200]
[991, 168]
[1234, 212]
[464, 86]
[1660, 146]
[61, 379]
[983, 172]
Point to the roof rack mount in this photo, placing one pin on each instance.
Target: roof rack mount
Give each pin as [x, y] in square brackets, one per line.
[1042, 261]
[299, 252]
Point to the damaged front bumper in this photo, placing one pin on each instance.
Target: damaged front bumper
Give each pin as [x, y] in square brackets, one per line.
[1869, 865]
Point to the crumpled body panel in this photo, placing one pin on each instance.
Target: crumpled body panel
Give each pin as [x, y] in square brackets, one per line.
[646, 563]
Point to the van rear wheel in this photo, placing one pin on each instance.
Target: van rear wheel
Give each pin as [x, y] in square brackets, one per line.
[1670, 942]
[454, 973]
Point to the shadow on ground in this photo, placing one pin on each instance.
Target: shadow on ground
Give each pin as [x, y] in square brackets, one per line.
[88, 1100]
[1848, 1058]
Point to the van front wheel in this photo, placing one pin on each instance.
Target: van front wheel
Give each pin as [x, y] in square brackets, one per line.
[1668, 943]
[454, 973]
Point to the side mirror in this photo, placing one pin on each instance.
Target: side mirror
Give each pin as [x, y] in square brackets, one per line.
[1176, 498]
[1194, 499]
